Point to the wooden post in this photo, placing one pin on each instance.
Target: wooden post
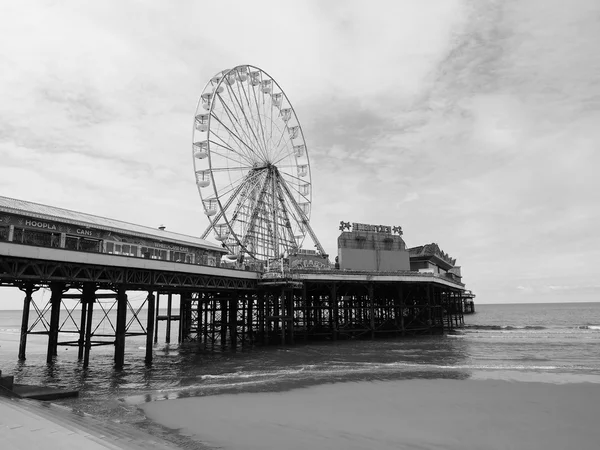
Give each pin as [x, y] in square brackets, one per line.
[156, 317]
[88, 332]
[169, 309]
[120, 331]
[55, 300]
[25, 320]
[150, 327]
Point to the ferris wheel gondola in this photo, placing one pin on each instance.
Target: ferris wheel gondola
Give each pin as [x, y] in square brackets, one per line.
[252, 166]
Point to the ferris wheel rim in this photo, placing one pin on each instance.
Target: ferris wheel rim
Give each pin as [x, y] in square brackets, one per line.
[216, 194]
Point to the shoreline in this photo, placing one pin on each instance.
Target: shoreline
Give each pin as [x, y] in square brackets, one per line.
[415, 413]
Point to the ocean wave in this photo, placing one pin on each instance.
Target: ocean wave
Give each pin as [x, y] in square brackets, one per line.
[590, 327]
[362, 367]
[504, 327]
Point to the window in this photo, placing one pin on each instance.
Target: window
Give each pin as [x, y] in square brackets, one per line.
[3, 233]
[180, 257]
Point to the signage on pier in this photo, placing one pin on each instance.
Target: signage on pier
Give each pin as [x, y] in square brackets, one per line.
[39, 224]
[382, 229]
[177, 248]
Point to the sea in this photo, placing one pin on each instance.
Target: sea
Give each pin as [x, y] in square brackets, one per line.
[549, 343]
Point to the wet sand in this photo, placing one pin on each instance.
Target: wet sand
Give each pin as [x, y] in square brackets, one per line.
[407, 414]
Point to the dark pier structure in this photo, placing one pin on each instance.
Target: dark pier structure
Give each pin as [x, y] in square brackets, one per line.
[92, 265]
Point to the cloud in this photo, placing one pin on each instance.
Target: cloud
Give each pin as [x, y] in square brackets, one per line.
[469, 123]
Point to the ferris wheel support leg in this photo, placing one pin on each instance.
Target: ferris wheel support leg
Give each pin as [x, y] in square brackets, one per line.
[304, 220]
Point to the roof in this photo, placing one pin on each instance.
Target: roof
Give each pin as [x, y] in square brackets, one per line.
[429, 250]
[39, 211]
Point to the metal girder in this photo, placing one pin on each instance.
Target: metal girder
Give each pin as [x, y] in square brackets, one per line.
[14, 270]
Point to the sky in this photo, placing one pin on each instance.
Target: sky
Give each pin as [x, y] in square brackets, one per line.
[474, 124]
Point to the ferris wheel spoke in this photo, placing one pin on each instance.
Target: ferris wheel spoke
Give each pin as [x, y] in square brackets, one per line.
[233, 134]
[227, 147]
[229, 169]
[248, 124]
[279, 142]
[253, 125]
[234, 185]
[286, 155]
[300, 193]
[258, 120]
[296, 179]
[230, 115]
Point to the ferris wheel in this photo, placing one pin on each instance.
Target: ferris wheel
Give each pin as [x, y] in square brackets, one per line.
[251, 166]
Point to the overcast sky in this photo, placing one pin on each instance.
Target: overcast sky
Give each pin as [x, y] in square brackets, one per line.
[472, 124]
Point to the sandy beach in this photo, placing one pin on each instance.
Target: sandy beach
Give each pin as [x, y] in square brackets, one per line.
[407, 414]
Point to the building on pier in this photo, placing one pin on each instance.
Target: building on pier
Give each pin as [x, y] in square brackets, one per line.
[39, 225]
[377, 248]
[430, 258]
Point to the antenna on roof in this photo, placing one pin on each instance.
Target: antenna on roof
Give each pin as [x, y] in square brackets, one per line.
[161, 227]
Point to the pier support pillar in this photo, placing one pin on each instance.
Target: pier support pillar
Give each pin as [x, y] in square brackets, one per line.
[169, 310]
[372, 310]
[306, 315]
[87, 298]
[223, 304]
[88, 331]
[150, 328]
[261, 316]
[249, 336]
[156, 317]
[121, 325]
[199, 323]
[428, 289]
[334, 311]
[25, 320]
[233, 310]
[291, 317]
[282, 319]
[55, 301]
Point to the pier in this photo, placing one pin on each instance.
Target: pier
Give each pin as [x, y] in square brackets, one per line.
[90, 267]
